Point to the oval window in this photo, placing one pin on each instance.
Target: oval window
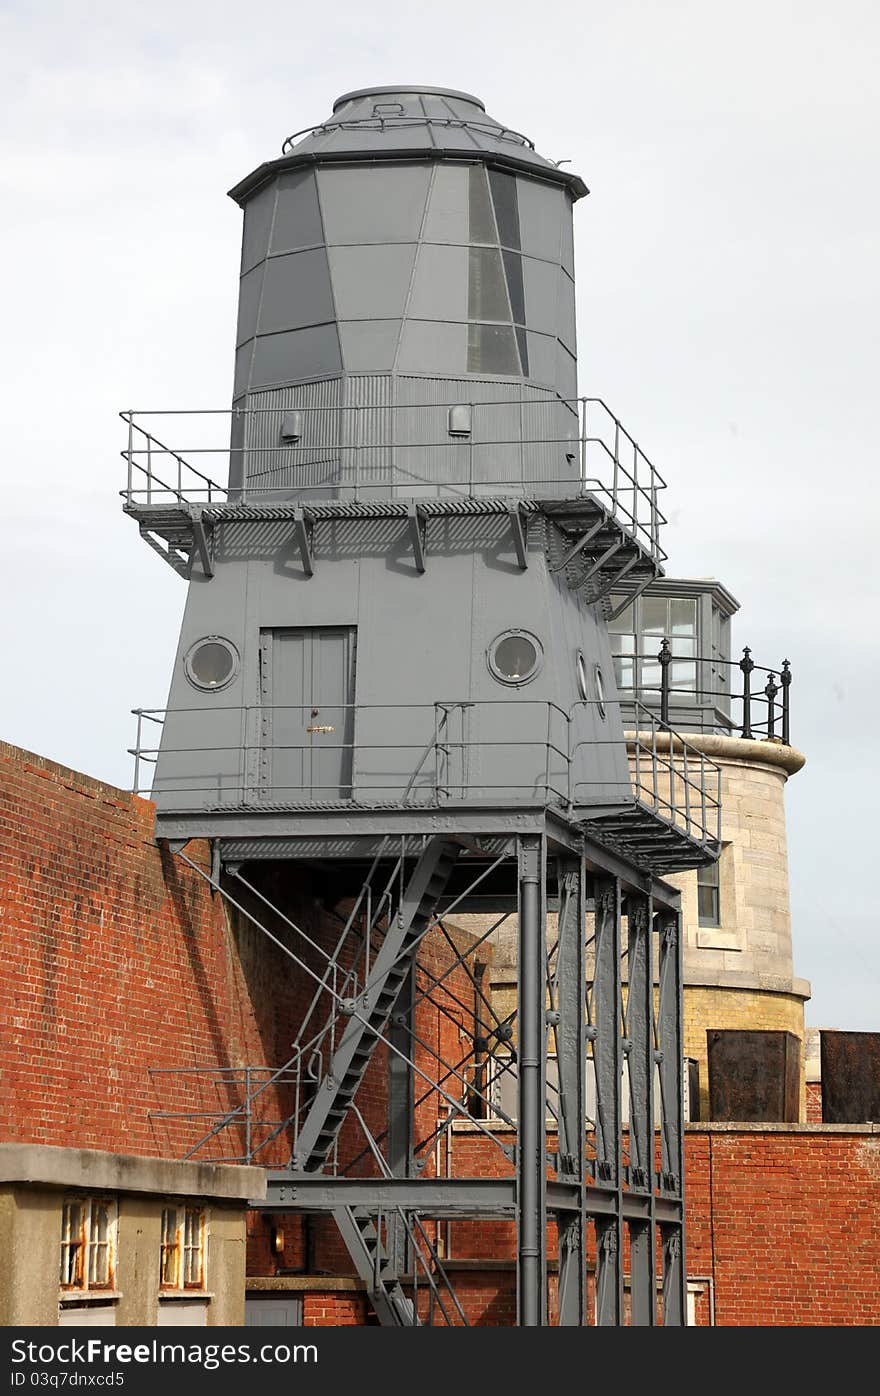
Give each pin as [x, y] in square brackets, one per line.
[211, 663]
[515, 657]
[583, 678]
[600, 691]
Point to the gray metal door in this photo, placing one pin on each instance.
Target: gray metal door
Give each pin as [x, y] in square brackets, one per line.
[307, 683]
[273, 1311]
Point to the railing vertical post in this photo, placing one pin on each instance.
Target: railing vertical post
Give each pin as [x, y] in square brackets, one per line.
[357, 456]
[616, 474]
[582, 424]
[137, 753]
[149, 468]
[785, 680]
[687, 787]
[665, 659]
[179, 479]
[547, 753]
[247, 1114]
[130, 448]
[747, 665]
[635, 508]
[771, 691]
[655, 526]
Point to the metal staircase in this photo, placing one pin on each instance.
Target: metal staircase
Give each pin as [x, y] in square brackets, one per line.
[369, 1012]
[363, 1240]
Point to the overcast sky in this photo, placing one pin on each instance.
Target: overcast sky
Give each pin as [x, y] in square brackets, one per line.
[729, 290]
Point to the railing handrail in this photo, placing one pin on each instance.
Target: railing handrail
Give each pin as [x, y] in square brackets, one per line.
[633, 491]
[687, 769]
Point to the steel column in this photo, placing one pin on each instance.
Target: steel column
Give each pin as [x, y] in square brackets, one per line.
[571, 1051]
[669, 1039]
[531, 1054]
[639, 1047]
[605, 1028]
[400, 1113]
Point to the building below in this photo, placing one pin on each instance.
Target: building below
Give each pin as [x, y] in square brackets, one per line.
[134, 1005]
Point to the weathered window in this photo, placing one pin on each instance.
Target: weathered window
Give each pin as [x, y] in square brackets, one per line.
[88, 1235]
[709, 895]
[182, 1256]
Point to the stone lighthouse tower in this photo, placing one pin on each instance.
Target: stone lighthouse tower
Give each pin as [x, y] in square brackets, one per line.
[394, 677]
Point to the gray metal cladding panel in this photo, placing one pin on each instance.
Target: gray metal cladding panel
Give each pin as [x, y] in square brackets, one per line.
[566, 372]
[567, 253]
[447, 216]
[567, 311]
[297, 220]
[373, 203]
[249, 289]
[542, 358]
[371, 283]
[369, 344]
[543, 212]
[430, 346]
[541, 284]
[243, 359]
[257, 226]
[311, 463]
[296, 292]
[298, 354]
[440, 286]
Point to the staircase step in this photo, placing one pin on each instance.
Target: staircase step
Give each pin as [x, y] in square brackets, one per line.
[390, 968]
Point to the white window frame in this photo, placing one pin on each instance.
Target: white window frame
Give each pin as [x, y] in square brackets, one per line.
[180, 1256]
[87, 1260]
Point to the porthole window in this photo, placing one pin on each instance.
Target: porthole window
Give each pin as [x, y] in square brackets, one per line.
[211, 663]
[583, 676]
[515, 657]
[600, 691]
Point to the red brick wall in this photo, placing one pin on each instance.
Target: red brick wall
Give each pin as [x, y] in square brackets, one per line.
[116, 962]
[788, 1223]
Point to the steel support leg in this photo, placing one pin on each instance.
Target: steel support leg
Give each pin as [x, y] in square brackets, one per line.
[531, 1052]
[639, 1047]
[400, 1113]
[571, 1050]
[607, 1061]
[669, 1039]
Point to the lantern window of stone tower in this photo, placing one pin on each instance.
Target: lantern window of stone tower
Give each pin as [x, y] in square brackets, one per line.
[694, 618]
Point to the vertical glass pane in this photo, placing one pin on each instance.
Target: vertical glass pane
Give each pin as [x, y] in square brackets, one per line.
[707, 906]
[683, 615]
[654, 615]
[624, 644]
[650, 675]
[487, 292]
[683, 677]
[623, 668]
[492, 349]
[99, 1244]
[513, 272]
[168, 1260]
[506, 207]
[481, 219]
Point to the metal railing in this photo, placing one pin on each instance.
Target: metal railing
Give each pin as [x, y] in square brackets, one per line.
[762, 711]
[396, 123]
[551, 449]
[426, 756]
